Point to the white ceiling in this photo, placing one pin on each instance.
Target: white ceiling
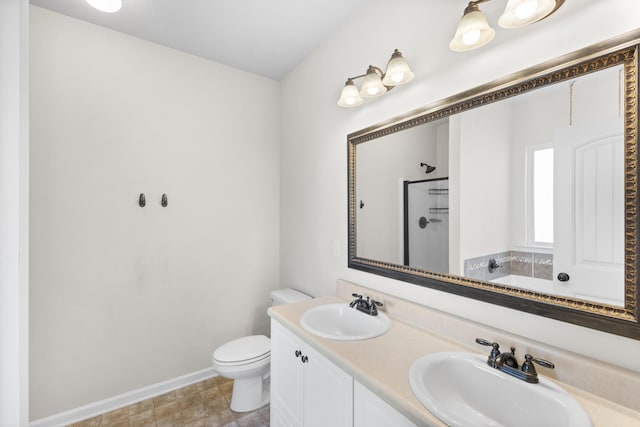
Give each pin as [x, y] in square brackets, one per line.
[265, 37]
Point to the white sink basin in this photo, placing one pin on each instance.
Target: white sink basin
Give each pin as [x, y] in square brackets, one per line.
[341, 322]
[462, 390]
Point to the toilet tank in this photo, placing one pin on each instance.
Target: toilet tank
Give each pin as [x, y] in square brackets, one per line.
[287, 296]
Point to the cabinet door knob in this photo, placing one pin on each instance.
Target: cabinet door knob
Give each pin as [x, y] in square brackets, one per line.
[563, 277]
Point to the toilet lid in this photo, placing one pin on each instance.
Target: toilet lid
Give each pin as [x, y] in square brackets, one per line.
[243, 349]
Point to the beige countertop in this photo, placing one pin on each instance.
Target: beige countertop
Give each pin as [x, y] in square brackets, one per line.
[382, 365]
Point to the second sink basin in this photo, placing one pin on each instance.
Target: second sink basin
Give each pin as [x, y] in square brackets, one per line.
[341, 322]
[462, 390]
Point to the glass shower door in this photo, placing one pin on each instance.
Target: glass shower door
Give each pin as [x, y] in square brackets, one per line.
[426, 224]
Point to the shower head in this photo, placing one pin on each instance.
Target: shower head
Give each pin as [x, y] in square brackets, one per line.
[429, 167]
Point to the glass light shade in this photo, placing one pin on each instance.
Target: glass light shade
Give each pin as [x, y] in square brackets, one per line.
[473, 31]
[519, 13]
[372, 84]
[108, 6]
[398, 71]
[350, 96]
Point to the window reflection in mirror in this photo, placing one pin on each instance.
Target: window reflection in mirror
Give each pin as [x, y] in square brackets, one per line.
[540, 195]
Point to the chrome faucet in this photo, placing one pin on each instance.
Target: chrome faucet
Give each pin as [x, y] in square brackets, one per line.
[368, 306]
[508, 363]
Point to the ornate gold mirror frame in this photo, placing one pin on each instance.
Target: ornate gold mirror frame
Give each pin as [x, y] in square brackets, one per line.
[614, 319]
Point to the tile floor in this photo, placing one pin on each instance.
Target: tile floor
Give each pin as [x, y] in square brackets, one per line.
[204, 404]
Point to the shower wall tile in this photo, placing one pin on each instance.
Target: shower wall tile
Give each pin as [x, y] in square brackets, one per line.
[476, 268]
[522, 263]
[543, 266]
[530, 264]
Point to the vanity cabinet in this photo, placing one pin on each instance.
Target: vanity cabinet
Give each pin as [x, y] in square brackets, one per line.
[371, 411]
[307, 390]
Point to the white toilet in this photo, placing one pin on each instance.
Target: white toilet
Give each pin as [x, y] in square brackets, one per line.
[247, 361]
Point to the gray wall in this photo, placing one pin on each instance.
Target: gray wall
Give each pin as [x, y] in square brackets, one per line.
[121, 296]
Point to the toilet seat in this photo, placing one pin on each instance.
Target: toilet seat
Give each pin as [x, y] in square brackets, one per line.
[243, 351]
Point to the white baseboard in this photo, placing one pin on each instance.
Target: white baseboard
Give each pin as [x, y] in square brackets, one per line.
[122, 400]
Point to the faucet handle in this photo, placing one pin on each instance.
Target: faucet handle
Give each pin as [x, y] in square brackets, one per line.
[528, 366]
[373, 307]
[495, 351]
[529, 358]
[482, 341]
[357, 300]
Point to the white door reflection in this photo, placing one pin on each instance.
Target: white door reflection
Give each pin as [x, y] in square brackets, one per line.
[589, 200]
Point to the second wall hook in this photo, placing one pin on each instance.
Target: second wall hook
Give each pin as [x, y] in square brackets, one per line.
[164, 201]
[142, 202]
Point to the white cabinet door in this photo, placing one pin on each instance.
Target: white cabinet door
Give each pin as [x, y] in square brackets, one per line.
[307, 390]
[371, 411]
[286, 378]
[328, 393]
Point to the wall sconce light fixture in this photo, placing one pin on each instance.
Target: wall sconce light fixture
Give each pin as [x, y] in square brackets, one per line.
[108, 6]
[474, 31]
[376, 82]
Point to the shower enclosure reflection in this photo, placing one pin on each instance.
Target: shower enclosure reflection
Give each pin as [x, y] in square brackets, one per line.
[382, 169]
[426, 224]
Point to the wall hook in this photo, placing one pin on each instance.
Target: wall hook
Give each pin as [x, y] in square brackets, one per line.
[361, 204]
[142, 202]
[164, 201]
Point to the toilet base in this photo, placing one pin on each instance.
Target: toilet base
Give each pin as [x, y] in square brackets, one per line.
[250, 394]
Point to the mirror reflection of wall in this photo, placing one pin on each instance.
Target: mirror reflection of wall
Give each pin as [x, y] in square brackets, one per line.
[480, 182]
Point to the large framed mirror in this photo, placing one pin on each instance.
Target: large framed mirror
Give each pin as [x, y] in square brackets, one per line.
[522, 192]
